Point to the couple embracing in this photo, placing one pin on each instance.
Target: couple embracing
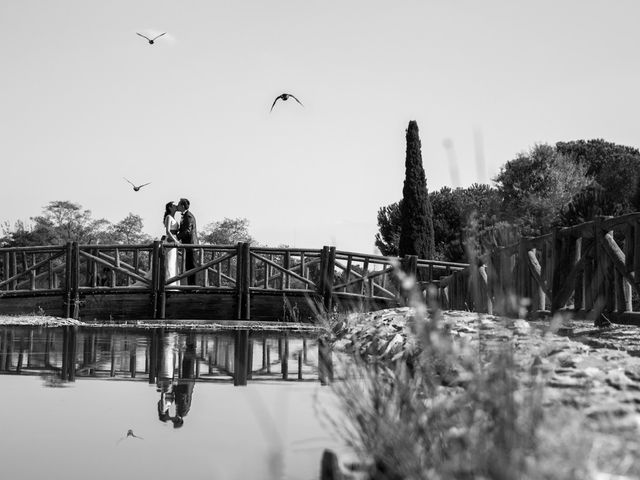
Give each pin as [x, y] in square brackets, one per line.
[180, 232]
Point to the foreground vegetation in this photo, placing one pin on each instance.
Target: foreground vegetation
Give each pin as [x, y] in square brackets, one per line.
[419, 401]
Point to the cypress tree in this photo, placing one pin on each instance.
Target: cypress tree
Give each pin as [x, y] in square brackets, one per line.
[416, 233]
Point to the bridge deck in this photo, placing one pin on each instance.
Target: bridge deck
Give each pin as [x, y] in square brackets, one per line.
[241, 282]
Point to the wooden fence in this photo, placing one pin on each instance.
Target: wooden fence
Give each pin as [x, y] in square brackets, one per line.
[116, 282]
[591, 269]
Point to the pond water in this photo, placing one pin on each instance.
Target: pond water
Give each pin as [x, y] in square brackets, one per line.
[225, 405]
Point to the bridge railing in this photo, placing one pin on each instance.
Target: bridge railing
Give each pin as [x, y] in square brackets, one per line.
[29, 269]
[113, 267]
[243, 281]
[284, 269]
[591, 268]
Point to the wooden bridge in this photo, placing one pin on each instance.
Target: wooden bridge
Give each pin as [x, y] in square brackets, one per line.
[589, 269]
[128, 282]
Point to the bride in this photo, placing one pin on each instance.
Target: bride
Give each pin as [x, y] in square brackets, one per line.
[171, 229]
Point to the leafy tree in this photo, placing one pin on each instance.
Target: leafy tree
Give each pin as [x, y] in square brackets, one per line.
[227, 232]
[614, 168]
[452, 214]
[21, 235]
[62, 221]
[388, 237]
[416, 233]
[595, 154]
[590, 202]
[536, 185]
[129, 231]
[67, 221]
[452, 209]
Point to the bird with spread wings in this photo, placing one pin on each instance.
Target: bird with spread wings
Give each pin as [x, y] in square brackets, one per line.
[136, 187]
[151, 40]
[129, 434]
[284, 97]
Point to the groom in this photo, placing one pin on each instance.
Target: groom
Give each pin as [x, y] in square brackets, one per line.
[188, 234]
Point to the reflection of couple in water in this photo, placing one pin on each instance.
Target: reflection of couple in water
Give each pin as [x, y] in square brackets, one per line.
[176, 393]
[183, 232]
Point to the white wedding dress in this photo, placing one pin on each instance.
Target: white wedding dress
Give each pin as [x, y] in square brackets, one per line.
[171, 254]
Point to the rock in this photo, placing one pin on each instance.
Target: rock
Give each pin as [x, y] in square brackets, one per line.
[618, 380]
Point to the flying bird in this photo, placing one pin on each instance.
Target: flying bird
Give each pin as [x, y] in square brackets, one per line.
[129, 434]
[284, 97]
[135, 187]
[150, 40]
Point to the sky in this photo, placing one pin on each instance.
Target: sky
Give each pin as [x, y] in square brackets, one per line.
[85, 102]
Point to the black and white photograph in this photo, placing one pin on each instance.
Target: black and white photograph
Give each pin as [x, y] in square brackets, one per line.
[304, 240]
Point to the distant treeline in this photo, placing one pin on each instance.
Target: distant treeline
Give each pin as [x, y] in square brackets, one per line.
[62, 221]
[548, 186]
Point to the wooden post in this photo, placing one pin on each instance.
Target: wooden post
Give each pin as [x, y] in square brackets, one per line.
[485, 288]
[635, 240]
[162, 283]
[155, 261]
[601, 278]
[156, 357]
[523, 270]
[563, 262]
[47, 348]
[7, 351]
[629, 262]
[323, 268]
[588, 277]
[32, 276]
[365, 286]
[20, 359]
[268, 358]
[93, 269]
[250, 359]
[304, 349]
[284, 359]
[65, 353]
[205, 272]
[14, 270]
[30, 350]
[243, 281]
[239, 280]
[347, 274]
[303, 269]
[7, 269]
[67, 280]
[325, 362]
[327, 269]
[241, 357]
[132, 360]
[286, 278]
[112, 350]
[136, 261]
[68, 354]
[75, 277]
[578, 294]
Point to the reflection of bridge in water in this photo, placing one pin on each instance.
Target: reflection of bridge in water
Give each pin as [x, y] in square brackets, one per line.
[66, 354]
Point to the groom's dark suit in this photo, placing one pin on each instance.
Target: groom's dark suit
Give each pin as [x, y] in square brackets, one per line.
[188, 233]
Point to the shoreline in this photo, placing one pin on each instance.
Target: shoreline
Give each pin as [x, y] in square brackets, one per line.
[186, 324]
